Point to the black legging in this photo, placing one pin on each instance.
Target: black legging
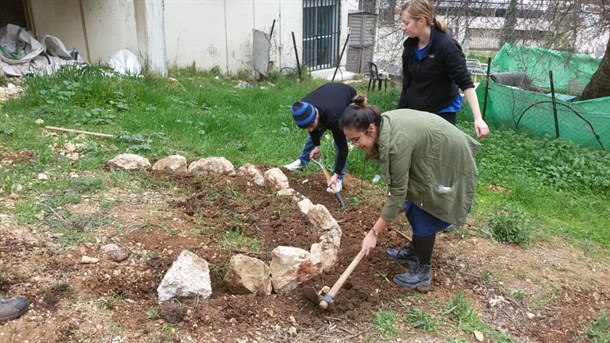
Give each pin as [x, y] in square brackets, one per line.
[449, 116]
[424, 247]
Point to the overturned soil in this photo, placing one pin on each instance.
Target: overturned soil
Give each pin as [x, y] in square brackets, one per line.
[548, 292]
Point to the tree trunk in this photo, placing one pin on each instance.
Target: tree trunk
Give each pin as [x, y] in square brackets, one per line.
[510, 21]
[599, 86]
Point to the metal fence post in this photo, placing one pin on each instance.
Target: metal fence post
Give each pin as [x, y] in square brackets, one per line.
[554, 104]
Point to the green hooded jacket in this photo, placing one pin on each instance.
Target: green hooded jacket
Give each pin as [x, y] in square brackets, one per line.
[428, 161]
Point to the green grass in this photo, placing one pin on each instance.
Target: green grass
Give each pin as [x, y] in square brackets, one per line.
[384, 321]
[599, 330]
[235, 239]
[560, 189]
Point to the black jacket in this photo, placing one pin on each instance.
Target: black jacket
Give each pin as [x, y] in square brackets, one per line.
[432, 83]
[331, 99]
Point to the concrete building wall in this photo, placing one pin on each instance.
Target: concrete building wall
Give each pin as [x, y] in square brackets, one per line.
[204, 33]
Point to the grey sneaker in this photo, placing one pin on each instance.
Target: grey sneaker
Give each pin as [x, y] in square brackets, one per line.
[405, 255]
[339, 185]
[11, 308]
[422, 276]
[294, 165]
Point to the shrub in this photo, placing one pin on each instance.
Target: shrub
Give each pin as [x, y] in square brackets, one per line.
[510, 226]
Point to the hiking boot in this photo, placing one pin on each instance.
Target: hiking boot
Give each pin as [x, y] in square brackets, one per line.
[422, 276]
[11, 308]
[294, 165]
[405, 255]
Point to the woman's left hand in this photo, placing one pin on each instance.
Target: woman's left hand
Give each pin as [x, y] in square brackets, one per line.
[481, 128]
[332, 180]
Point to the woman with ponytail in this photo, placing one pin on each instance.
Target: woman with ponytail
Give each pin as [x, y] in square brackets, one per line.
[429, 167]
[434, 66]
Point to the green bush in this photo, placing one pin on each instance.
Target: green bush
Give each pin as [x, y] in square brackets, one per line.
[510, 226]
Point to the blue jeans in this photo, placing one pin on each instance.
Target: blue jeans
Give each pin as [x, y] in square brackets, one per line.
[308, 148]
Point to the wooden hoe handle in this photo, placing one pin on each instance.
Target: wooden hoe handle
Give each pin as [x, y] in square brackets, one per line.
[337, 286]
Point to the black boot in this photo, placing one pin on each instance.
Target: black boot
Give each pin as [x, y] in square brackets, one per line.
[422, 276]
[11, 308]
[405, 255]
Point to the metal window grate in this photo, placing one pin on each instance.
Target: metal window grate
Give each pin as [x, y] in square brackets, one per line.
[12, 13]
[321, 33]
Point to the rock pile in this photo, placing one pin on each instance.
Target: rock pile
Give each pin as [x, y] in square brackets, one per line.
[288, 267]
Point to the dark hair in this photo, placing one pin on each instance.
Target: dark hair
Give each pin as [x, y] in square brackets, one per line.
[423, 9]
[358, 116]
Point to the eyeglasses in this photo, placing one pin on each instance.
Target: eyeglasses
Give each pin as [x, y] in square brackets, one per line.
[357, 141]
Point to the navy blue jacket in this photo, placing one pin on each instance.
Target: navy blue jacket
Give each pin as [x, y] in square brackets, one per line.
[331, 99]
[432, 83]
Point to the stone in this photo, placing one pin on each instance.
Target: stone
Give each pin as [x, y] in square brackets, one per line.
[188, 277]
[247, 275]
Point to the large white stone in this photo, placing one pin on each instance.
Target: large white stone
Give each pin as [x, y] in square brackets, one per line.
[319, 216]
[248, 275]
[173, 163]
[291, 266]
[305, 205]
[214, 166]
[251, 171]
[188, 277]
[276, 180]
[325, 252]
[129, 162]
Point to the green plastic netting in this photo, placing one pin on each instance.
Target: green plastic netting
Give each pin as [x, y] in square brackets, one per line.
[584, 122]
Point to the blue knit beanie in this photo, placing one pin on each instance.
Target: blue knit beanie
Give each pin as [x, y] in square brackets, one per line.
[303, 114]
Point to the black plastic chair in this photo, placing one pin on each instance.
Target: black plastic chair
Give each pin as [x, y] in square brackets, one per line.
[376, 78]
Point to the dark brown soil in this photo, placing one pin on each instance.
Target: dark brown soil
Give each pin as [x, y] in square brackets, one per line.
[117, 302]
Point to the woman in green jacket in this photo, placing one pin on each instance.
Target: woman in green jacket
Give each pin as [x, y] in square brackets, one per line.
[430, 170]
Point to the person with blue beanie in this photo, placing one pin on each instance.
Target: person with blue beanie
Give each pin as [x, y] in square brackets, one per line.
[317, 112]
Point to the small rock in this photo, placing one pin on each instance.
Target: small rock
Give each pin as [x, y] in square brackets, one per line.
[43, 176]
[120, 255]
[292, 331]
[108, 248]
[292, 320]
[596, 296]
[530, 315]
[39, 121]
[89, 260]
[479, 335]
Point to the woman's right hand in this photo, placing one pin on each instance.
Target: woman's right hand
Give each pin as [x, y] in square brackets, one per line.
[369, 242]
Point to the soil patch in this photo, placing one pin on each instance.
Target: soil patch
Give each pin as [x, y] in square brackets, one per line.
[545, 293]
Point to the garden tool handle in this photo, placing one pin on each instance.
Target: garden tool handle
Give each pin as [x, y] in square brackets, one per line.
[337, 286]
[327, 175]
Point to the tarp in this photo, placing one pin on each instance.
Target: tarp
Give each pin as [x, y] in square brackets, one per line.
[571, 72]
[528, 105]
[22, 54]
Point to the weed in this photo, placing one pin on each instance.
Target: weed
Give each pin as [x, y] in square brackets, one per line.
[149, 255]
[599, 330]
[116, 330]
[462, 310]
[420, 319]
[234, 239]
[384, 320]
[539, 301]
[487, 277]
[168, 331]
[509, 226]
[517, 294]
[218, 270]
[109, 303]
[152, 314]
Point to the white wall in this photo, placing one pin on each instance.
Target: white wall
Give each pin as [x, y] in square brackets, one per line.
[101, 28]
[206, 33]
